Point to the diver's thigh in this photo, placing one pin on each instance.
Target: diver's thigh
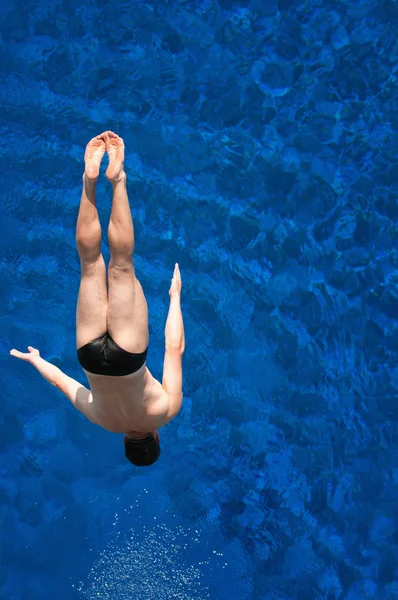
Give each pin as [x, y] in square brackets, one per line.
[127, 317]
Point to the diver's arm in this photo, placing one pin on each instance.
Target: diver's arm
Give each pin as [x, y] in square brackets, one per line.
[174, 331]
[46, 369]
[79, 395]
[172, 381]
[73, 390]
[175, 346]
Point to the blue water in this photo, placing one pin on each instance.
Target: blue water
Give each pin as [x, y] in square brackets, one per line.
[262, 153]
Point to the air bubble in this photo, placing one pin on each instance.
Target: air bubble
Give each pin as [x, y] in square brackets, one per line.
[146, 566]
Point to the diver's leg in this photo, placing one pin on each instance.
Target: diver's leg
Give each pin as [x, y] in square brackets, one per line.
[92, 300]
[127, 319]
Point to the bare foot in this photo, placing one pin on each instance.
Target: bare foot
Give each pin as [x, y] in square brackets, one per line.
[115, 149]
[176, 283]
[94, 152]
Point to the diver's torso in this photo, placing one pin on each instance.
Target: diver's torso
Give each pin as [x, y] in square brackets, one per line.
[128, 403]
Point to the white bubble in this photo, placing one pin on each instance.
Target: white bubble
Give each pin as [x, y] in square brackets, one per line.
[148, 568]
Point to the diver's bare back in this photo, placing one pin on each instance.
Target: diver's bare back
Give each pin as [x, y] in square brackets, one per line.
[131, 403]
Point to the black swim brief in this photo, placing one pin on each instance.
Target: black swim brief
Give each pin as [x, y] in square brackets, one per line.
[104, 357]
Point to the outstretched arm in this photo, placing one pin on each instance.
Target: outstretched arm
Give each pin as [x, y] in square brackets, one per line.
[46, 369]
[73, 390]
[175, 346]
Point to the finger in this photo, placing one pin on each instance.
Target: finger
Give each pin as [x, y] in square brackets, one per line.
[16, 353]
[31, 349]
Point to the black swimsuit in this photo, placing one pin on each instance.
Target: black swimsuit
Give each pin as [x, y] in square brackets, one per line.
[104, 357]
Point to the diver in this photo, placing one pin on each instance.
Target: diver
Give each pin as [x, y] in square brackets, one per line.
[112, 323]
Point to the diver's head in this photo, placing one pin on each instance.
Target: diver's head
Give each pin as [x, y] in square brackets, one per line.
[142, 451]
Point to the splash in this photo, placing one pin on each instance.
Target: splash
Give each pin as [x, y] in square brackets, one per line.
[152, 564]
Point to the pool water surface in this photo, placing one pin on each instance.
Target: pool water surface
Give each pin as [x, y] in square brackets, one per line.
[261, 155]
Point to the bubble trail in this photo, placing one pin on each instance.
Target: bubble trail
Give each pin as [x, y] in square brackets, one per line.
[153, 567]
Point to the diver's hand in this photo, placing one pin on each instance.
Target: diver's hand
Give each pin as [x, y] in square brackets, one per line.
[176, 283]
[29, 357]
[50, 372]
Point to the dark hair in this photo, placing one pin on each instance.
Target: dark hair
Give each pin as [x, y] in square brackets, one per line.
[142, 452]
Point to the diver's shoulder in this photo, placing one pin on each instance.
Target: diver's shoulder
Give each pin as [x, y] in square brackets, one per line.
[153, 386]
